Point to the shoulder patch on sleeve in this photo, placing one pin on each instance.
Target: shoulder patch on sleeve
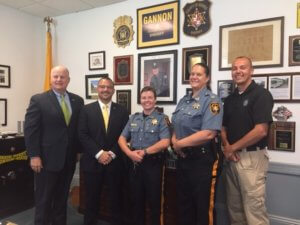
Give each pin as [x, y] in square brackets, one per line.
[215, 108]
[167, 121]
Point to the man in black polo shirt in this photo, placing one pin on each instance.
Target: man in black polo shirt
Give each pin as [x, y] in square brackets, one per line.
[247, 115]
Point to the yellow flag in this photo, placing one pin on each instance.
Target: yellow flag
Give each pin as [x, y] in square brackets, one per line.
[48, 61]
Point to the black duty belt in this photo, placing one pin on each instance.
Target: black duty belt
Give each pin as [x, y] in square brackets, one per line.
[195, 151]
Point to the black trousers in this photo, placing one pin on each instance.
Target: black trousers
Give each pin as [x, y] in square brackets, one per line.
[195, 189]
[145, 185]
[51, 195]
[111, 175]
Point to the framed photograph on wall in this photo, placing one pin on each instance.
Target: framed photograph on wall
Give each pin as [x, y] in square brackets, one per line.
[159, 70]
[124, 99]
[97, 60]
[225, 88]
[3, 111]
[261, 80]
[191, 56]
[260, 40]
[296, 87]
[91, 83]
[280, 87]
[282, 136]
[188, 91]
[158, 25]
[4, 76]
[294, 50]
[298, 15]
[123, 69]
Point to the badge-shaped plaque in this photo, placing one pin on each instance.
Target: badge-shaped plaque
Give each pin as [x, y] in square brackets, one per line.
[123, 31]
[196, 18]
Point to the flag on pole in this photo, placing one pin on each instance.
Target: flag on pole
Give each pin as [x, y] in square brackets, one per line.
[48, 64]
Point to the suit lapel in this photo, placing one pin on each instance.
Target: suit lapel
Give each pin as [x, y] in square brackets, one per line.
[73, 105]
[100, 116]
[112, 114]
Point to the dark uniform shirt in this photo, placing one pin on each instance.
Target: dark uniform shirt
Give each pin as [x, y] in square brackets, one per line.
[146, 131]
[194, 114]
[243, 111]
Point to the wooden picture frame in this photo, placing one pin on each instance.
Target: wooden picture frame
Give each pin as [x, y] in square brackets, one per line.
[225, 88]
[4, 76]
[3, 112]
[158, 25]
[159, 70]
[97, 60]
[188, 91]
[280, 87]
[261, 80]
[294, 50]
[282, 136]
[124, 99]
[190, 56]
[91, 84]
[260, 40]
[123, 70]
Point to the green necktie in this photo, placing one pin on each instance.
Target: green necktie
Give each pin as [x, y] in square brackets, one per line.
[65, 109]
[105, 115]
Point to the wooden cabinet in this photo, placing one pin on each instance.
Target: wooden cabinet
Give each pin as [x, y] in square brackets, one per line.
[169, 206]
[16, 177]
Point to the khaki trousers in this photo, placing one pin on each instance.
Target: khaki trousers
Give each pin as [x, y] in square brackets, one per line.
[245, 187]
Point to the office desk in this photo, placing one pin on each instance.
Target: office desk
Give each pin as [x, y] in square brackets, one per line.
[16, 177]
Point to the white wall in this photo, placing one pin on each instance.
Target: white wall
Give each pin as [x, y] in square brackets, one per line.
[80, 33]
[21, 47]
[77, 34]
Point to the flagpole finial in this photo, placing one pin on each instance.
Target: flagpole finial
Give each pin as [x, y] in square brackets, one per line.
[48, 20]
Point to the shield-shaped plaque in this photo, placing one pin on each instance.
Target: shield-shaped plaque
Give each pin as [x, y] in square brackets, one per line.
[196, 18]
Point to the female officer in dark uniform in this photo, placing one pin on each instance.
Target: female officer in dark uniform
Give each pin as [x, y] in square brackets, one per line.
[149, 134]
[196, 121]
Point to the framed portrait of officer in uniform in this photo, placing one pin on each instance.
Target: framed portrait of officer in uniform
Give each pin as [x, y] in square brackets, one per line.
[159, 70]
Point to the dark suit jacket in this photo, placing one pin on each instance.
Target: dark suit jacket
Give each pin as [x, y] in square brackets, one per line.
[46, 133]
[92, 134]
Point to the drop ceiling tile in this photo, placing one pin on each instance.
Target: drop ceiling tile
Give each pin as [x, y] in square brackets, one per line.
[67, 6]
[42, 11]
[98, 3]
[16, 3]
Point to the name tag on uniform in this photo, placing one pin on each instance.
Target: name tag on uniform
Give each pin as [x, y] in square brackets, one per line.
[133, 124]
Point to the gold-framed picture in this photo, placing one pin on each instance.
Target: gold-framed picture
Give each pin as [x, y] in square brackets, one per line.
[158, 25]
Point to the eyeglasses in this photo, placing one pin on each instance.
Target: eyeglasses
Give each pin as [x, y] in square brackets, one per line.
[104, 86]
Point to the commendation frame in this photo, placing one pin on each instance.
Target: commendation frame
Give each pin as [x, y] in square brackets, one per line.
[282, 136]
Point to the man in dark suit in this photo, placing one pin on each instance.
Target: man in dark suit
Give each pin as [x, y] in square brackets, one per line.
[52, 143]
[100, 125]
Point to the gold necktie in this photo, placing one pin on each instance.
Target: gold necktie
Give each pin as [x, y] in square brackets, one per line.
[105, 116]
[65, 109]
